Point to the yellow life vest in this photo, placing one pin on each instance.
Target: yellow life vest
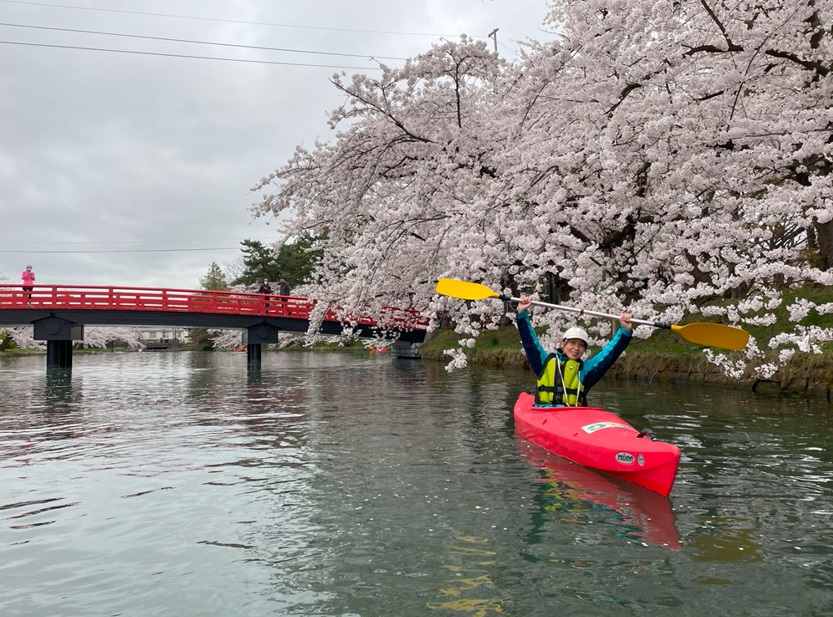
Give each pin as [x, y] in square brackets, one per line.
[559, 383]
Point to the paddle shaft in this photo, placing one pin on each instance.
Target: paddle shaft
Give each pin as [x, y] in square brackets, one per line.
[709, 334]
[580, 311]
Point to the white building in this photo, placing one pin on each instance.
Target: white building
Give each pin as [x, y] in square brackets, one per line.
[163, 337]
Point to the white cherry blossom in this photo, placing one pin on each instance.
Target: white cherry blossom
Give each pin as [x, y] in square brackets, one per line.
[667, 158]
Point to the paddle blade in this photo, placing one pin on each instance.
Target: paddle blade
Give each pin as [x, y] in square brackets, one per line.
[713, 335]
[464, 290]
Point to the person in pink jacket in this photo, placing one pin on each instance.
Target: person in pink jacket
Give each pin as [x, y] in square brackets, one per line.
[28, 278]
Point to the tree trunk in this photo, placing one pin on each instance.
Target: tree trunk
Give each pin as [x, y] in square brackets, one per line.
[824, 238]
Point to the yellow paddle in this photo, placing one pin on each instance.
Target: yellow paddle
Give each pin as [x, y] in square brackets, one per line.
[709, 334]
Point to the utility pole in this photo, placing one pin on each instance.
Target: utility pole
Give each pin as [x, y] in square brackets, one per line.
[493, 35]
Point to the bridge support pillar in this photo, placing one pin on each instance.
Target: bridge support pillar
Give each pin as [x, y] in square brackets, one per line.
[58, 354]
[253, 355]
[58, 334]
[256, 336]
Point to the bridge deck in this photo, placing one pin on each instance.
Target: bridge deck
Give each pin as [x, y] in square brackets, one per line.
[132, 306]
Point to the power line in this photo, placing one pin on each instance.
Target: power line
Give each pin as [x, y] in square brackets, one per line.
[162, 38]
[94, 242]
[230, 21]
[78, 252]
[189, 56]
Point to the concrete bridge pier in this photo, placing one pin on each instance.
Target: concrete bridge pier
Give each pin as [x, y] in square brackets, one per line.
[257, 335]
[59, 334]
[58, 354]
[253, 351]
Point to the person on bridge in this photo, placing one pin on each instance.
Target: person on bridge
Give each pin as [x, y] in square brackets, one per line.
[28, 278]
[265, 288]
[283, 287]
[563, 378]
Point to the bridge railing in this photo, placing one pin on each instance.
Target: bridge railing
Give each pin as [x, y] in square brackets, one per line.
[86, 297]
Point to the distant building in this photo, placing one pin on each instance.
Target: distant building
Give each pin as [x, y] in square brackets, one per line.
[156, 337]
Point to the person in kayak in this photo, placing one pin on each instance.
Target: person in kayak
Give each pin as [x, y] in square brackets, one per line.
[563, 378]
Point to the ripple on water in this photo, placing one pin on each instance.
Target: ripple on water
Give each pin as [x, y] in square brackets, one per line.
[181, 484]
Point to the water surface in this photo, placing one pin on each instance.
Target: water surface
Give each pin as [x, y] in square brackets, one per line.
[343, 484]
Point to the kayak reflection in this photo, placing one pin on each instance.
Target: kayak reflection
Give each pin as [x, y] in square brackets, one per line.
[581, 495]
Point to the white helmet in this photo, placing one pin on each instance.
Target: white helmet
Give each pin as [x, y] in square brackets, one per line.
[576, 333]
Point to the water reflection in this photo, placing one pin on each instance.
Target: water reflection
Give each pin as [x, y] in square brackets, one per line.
[58, 386]
[254, 376]
[581, 496]
[472, 587]
[727, 539]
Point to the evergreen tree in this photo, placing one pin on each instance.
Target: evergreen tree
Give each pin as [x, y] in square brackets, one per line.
[214, 280]
[295, 261]
[259, 262]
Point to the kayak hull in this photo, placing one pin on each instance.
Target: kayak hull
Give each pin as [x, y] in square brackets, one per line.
[601, 440]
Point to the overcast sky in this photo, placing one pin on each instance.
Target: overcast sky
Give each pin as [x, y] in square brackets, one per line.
[123, 168]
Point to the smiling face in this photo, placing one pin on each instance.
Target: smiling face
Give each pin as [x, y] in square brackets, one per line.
[573, 348]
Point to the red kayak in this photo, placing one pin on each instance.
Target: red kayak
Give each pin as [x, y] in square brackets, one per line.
[600, 440]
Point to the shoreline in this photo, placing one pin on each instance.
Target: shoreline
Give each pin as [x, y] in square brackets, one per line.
[806, 374]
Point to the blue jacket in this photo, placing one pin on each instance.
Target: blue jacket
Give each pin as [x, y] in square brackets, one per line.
[592, 369]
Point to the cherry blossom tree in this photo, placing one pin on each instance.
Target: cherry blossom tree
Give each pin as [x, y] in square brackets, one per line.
[93, 337]
[233, 339]
[382, 199]
[667, 158]
[225, 339]
[105, 336]
[23, 338]
[705, 132]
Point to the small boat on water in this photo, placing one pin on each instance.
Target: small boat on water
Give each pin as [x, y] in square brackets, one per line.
[600, 440]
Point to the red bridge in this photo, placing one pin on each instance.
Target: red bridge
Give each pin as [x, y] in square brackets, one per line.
[60, 312]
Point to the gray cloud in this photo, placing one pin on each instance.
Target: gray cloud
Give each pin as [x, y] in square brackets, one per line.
[116, 152]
